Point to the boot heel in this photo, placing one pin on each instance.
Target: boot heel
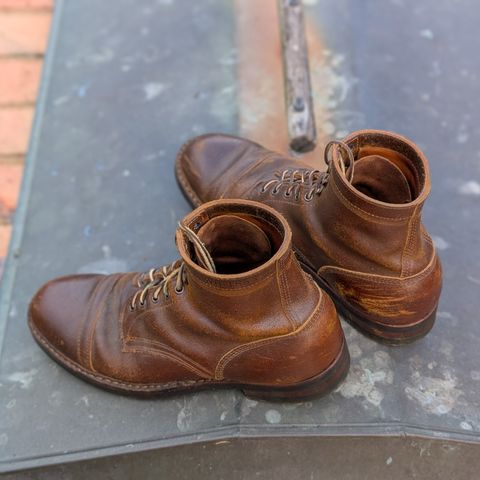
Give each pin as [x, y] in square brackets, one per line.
[316, 386]
[393, 335]
[382, 332]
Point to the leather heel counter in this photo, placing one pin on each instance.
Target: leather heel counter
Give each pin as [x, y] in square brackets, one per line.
[299, 294]
[388, 300]
[290, 358]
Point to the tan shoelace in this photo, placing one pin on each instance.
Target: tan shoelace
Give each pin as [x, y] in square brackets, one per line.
[313, 180]
[159, 278]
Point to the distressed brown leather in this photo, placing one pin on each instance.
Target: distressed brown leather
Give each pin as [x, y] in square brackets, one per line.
[362, 238]
[259, 322]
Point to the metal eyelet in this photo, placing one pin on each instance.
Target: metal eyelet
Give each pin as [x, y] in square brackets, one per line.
[263, 189]
[131, 308]
[155, 299]
[287, 194]
[179, 292]
[275, 190]
[308, 197]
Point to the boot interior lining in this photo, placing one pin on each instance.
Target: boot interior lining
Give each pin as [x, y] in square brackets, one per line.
[401, 161]
[239, 246]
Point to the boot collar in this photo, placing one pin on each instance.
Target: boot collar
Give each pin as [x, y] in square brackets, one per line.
[358, 142]
[196, 219]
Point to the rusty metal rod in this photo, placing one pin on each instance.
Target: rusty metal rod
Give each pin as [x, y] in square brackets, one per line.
[298, 91]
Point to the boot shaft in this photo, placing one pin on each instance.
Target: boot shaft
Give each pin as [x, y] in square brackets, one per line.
[275, 294]
[371, 219]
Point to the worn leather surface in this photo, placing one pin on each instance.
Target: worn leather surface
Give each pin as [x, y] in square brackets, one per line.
[363, 237]
[268, 323]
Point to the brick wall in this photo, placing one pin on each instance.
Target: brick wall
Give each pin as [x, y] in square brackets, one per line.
[24, 26]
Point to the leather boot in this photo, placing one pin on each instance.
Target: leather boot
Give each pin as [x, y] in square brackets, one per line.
[235, 311]
[356, 228]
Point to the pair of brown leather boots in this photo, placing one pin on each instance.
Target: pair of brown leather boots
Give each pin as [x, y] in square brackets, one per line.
[249, 304]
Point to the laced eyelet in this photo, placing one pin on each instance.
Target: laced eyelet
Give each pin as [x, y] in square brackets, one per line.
[308, 197]
[275, 190]
[174, 276]
[131, 308]
[263, 189]
[287, 194]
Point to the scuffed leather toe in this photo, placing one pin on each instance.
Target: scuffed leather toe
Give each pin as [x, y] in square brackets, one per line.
[203, 162]
[58, 310]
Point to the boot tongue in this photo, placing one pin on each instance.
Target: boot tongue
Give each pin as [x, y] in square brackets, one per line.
[235, 243]
[381, 179]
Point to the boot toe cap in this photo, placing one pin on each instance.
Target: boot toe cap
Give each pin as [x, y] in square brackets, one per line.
[203, 162]
[57, 311]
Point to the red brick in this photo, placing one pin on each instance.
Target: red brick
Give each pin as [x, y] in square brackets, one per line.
[14, 159]
[25, 4]
[5, 233]
[23, 32]
[15, 126]
[10, 179]
[19, 80]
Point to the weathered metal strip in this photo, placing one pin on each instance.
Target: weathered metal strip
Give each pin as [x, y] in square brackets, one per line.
[298, 91]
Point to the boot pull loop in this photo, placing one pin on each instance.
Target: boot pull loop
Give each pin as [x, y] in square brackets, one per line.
[343, 148]
[203, 254]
